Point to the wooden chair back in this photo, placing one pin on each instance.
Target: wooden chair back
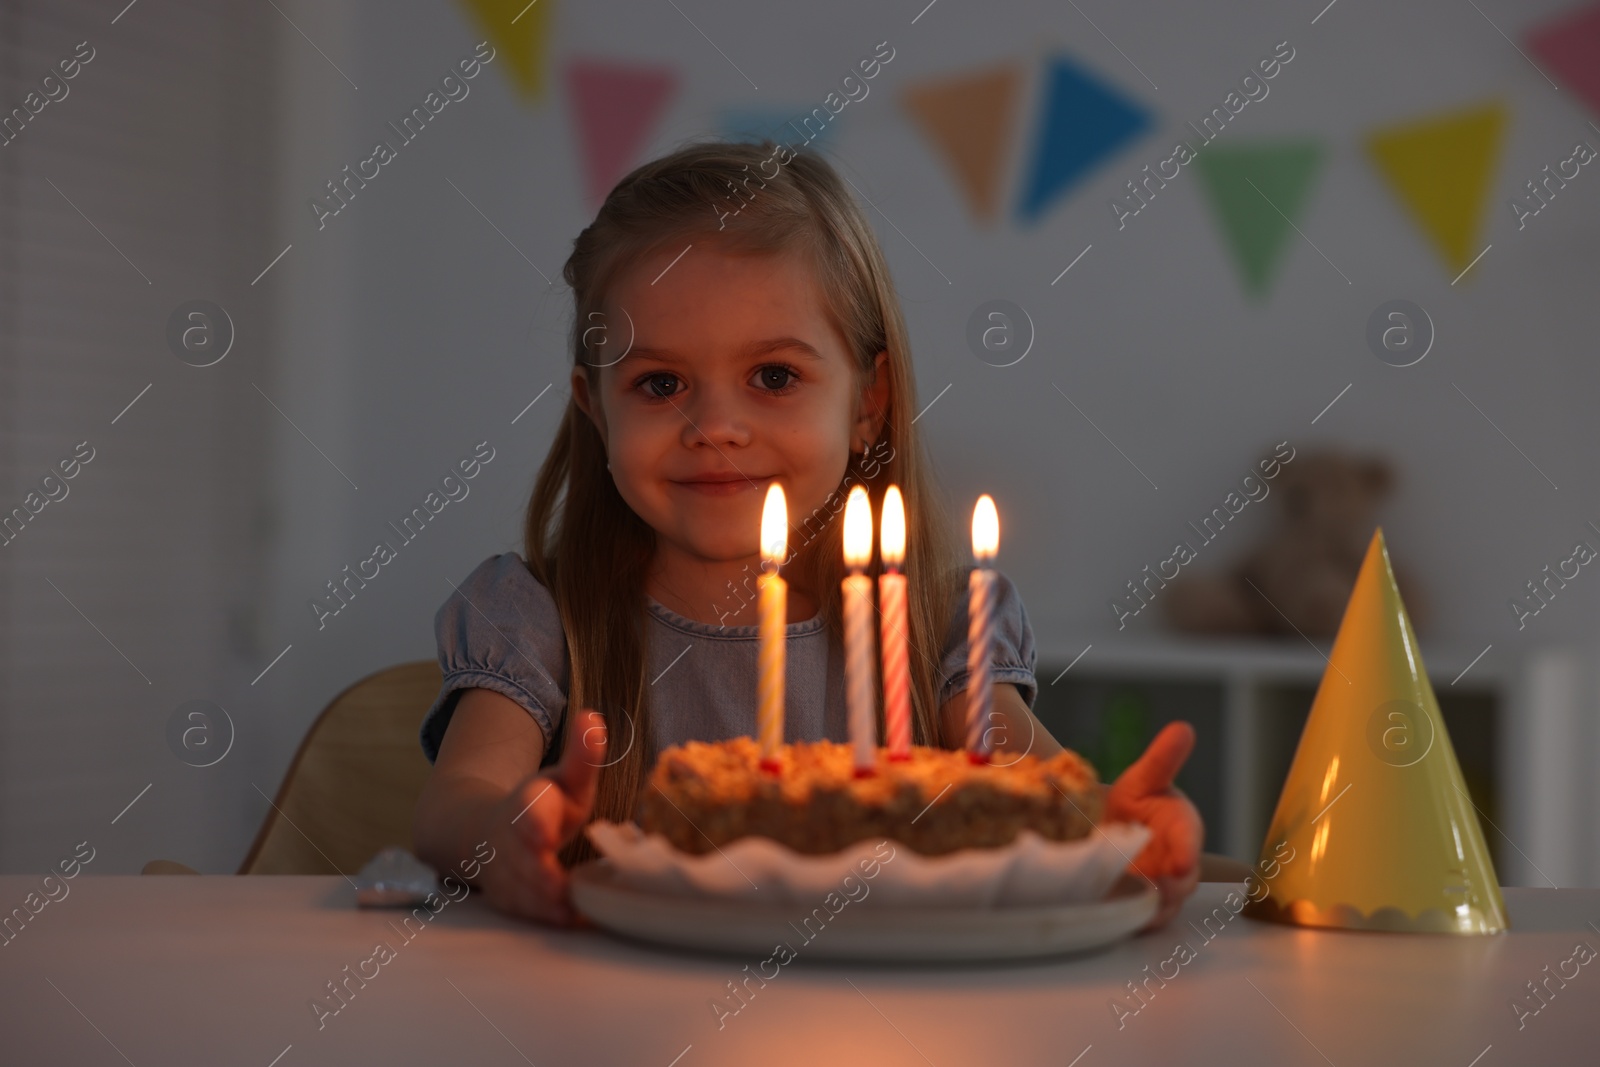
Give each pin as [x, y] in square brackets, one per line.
[354, 783]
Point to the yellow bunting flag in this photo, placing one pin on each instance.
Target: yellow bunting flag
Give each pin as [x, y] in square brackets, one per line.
[970, 120]
[1442, 170]
[1374, 829]
[518, 30]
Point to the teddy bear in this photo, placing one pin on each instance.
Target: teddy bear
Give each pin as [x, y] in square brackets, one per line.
[1303, 574]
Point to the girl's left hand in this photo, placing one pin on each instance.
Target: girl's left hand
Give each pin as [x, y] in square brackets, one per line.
[1144, 793]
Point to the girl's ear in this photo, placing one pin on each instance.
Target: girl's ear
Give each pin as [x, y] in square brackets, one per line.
[587, 403]
[875, 397]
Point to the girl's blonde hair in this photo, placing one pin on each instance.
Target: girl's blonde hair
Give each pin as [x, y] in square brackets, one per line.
[593, 552]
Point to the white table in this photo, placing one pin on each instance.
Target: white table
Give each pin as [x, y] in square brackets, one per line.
[220, 970]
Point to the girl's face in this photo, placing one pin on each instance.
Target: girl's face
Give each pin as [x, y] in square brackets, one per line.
[735, 378]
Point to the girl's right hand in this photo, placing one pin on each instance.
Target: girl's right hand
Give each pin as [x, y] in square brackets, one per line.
[529, 828]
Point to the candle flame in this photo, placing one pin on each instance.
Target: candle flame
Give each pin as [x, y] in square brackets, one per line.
[985, 529]
[774, 526]
[857, 529]
[892, 527]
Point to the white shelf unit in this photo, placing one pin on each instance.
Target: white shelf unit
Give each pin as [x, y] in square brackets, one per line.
[1541, 749]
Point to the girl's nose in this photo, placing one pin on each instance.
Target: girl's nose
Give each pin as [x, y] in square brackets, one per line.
[715, 417]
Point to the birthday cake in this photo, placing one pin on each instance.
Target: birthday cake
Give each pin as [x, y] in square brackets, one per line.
[703, 795]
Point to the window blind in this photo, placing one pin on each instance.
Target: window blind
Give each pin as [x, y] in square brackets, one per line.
[131, 187]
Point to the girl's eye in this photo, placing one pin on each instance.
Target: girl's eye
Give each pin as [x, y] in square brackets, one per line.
[661, 384]
[776, 378]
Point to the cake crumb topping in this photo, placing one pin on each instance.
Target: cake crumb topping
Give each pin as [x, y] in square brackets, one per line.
[703, 795]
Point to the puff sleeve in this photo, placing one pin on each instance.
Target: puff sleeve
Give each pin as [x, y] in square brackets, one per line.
[1012, 655]
[500, 631]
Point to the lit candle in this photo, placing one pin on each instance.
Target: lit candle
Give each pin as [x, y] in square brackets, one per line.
[892, 604]
[773, 595]
[858, 656]
[980, 627]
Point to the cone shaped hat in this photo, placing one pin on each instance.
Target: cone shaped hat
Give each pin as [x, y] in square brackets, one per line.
[1374, 829]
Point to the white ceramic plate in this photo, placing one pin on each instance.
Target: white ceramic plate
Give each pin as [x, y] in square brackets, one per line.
[1029, 872]
[904, 934]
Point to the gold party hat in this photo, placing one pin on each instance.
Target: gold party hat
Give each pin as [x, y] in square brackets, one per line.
[1374, 829]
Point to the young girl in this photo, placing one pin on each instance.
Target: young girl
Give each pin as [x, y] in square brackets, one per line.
[735, 325]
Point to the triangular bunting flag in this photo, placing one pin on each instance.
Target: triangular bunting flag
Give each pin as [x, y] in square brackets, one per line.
[1374, 829]
[615, 107]
[969, 120]
[1255, 193]
[1081, 122]
[1570, 46]
[1442, 169]
[783, 127]
[518, 31]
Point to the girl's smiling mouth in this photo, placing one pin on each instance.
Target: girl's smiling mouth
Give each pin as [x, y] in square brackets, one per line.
[723, 483]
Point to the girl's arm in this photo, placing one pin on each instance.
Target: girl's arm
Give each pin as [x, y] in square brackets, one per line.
[1016, 732]
[486, 786]
[490, 746]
